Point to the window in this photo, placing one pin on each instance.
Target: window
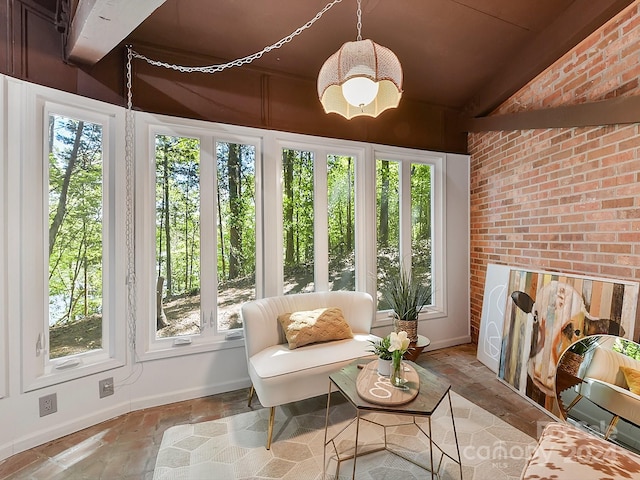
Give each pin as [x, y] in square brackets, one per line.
[341, 221]
[298, 220]
[319, 211]
[334, 219]
[75, 236]
[177, 162]
[388, 223]
[74, 305]
[409, 202]
[421, 215]
[199, 186]
[223, 215]
[236, 226]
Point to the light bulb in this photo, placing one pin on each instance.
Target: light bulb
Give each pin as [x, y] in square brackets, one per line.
[359, 91]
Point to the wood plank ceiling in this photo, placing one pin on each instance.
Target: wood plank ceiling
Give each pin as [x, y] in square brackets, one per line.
[467, 55]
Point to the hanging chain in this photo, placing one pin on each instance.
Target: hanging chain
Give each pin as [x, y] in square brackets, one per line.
[240, 61]
[129, 213]
[129, 143]
[359, 24]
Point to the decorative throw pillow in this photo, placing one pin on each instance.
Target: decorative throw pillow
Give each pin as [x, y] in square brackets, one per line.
[321, 325]
[632, 377]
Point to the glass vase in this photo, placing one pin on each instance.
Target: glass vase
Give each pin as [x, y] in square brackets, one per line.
[397, 378]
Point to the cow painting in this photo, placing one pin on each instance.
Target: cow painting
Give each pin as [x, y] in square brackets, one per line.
[559, 318]
[545, 313]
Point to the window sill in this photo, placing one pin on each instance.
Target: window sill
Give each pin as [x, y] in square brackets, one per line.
[385, 318]
[166, 348]
[82, 370]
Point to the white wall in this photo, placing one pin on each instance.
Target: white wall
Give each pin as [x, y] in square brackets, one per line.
[156, 382]
[455, 328]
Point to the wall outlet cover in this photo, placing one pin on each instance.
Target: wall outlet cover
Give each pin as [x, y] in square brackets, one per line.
[105, 387]
[48, 404]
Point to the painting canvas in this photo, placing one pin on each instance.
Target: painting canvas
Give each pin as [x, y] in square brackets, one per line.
[546, 312]
[492, 319]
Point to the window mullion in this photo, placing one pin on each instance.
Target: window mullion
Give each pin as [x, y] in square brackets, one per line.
[405, 213]
[365, 186]
[272, 217]
[208, 238]
[321, 224]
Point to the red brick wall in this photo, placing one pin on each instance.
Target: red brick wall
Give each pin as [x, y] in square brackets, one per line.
[565, 200]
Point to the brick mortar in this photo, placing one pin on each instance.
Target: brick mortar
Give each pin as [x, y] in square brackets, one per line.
[568, 199]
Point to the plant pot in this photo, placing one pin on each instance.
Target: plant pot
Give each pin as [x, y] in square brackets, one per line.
[384, 367]
[570, 362]
[409, 326]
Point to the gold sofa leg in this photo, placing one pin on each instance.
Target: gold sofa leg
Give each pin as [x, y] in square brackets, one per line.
[611, 426]
[573, 402]
[272, 416]
[251, 392]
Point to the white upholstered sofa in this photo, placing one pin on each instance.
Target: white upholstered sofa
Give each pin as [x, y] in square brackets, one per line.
[281, 375]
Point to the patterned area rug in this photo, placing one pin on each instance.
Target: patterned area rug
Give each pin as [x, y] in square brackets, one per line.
[234, 447]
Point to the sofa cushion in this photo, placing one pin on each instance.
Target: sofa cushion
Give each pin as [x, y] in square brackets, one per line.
[313, 326]
[280, 360]
[632, 376]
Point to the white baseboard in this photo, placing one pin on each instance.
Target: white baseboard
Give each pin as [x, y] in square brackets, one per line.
[188, 394]
[449, 342]
[46, 435]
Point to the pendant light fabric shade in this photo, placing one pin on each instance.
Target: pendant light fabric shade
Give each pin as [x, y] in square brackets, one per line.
[367, 59]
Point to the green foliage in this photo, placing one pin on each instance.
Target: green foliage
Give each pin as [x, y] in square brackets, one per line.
[178, 226]
[178, 213]
[388, 204]
[341, 221]
[297, 203]
[236, 211]
[586, 344]
[406, 296]
[381, 348]
[75, 219]
[628, 348]
[75, 228]
[76, 222]
[388, 231]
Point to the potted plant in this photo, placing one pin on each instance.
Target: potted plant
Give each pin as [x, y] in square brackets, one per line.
[381, 349]
[574, 355]
[406, 298]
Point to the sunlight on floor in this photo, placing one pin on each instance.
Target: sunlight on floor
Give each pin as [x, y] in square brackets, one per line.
[79, 452]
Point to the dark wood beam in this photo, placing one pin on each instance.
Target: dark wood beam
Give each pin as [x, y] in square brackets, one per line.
[580, 19]
[620, 110]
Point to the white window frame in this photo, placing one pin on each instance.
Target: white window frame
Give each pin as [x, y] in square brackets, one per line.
[269, 188]
[3, 242]
[36, 103]
[321, 149]
[406, 157]
[148, 347]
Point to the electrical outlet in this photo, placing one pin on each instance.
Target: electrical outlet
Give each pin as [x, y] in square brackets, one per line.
[105, 387]
[48, 404]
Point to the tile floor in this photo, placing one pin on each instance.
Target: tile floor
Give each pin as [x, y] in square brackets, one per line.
[125, 447]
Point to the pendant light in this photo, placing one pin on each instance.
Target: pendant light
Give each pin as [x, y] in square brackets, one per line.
[362, 78]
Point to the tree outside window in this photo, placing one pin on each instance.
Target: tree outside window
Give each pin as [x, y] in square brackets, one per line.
[75, 236]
